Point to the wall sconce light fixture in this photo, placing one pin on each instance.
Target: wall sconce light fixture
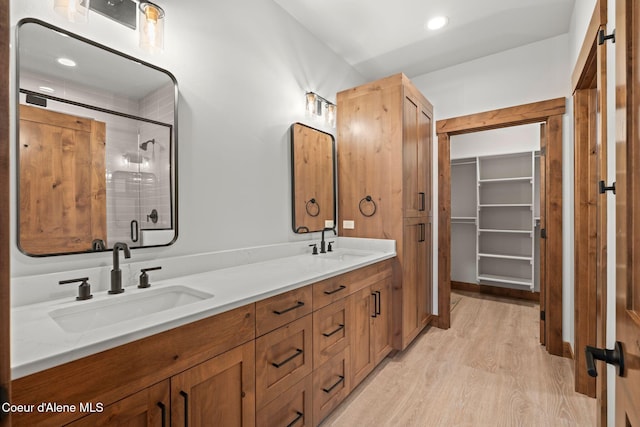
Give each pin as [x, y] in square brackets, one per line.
[150, 21]
[317, 106]
[73, 10]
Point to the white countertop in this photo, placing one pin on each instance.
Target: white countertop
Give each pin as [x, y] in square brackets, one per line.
[39, 342]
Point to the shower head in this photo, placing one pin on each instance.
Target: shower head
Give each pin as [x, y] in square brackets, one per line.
[144, 144]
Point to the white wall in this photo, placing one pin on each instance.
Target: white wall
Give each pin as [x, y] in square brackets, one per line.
[242, 70]
[530, 73]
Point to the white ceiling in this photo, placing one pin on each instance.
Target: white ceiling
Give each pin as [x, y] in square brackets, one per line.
[383, 37]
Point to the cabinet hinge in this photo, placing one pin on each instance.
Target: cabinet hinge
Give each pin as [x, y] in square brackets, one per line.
[4, 398]
[542, 315]
[543, 233]
[543, 151]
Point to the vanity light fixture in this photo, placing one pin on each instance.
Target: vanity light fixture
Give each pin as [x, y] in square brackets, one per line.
[317, 106]
[150, 22]
[151, 26]
[73, 10]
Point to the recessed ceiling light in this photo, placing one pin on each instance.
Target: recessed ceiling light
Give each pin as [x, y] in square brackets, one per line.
[67, 62]
[46, 89]
[437, 22]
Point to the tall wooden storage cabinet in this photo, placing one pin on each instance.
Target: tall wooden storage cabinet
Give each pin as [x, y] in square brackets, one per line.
[384, 180]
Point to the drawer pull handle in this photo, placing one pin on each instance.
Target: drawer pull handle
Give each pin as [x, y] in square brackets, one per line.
[163, 408]
[338, 289]
[340, 327]
[288, 359]
[296, 419]
[379, 301]
[328, 390]
[286, 310]
[375, 304]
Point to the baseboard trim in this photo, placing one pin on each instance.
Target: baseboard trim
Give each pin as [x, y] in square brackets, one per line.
[567, 350]
[496, 291]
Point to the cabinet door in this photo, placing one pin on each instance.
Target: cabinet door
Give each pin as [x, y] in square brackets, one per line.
[331, 331]
[416, 155]
[292, 408]
[415, 280]
[363, 309]
[149, 407]
[218, 392]
[381, 329]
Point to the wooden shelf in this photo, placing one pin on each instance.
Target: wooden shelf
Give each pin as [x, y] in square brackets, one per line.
[506, 279]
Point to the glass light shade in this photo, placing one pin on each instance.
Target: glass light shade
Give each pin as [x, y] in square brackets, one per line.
[312, 103]
[330, 114]
[73, 10]
[151, 27]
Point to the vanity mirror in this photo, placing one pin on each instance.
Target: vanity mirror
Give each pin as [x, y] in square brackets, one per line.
[313, 179]
[96, 146]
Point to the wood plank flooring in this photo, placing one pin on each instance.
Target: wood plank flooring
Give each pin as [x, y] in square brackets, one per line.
[488, 369]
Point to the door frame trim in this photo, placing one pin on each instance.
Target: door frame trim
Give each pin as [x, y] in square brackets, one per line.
[589, 80]
[549, 112]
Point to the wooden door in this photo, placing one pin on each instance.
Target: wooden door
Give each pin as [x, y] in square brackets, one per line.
[363, 309]
[146, 408]
[62, 182]
[381, 329]
[218, 392]
[416, 148]
[628, 209]
[415, 278]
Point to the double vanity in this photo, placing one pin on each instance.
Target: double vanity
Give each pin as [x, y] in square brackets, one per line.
[279, 340]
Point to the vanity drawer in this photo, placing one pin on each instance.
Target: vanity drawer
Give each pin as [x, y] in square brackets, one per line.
[291, 408]
[283, 357]
[335, 288]
[331, 331]
[331, 385]
[279, 310]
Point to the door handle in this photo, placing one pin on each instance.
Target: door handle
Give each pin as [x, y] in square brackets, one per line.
[375, 304]
[135, 233]
[422, 201]
[422, 232]
[613, 357]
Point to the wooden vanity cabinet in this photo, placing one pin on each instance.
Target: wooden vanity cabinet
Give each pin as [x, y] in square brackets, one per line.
[384, 170]
[371, 328]
[218, 392]
[146, 408]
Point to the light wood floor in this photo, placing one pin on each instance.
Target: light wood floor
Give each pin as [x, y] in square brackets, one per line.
[488, 369]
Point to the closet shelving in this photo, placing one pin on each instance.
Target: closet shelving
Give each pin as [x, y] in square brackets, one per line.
[504, 215]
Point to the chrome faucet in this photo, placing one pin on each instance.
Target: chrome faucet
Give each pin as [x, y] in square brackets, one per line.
[116, 273]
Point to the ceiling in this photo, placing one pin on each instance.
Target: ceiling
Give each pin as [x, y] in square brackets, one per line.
[382, 37]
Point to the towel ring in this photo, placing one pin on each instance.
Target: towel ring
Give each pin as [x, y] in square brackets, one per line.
[311, 210]
[368, 199]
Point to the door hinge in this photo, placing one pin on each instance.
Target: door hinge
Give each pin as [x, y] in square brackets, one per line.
[542, 315]
[543, 233]
[4, 398]
[604, 188]
[543, 151]
[603, 38]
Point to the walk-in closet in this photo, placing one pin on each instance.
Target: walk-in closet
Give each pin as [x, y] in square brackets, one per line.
[495, 208]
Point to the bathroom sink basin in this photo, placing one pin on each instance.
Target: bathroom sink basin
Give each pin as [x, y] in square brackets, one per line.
[106, 312]
[341, 255]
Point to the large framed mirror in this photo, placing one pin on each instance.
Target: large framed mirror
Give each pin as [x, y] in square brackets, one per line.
[313, 167]
[96, 146]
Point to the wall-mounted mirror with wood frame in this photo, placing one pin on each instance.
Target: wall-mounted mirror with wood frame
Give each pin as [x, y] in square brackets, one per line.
[313, 179]
[96, 145]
